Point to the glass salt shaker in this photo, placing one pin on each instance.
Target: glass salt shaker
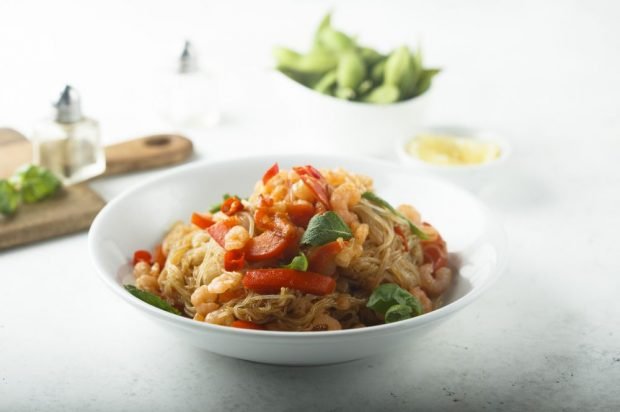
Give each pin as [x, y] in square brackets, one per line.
[69, 144]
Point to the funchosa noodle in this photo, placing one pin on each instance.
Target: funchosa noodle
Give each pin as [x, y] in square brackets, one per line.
[227, 266]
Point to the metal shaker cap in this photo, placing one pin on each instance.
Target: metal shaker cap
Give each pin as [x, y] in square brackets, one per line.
[68, 107]
[188, 62]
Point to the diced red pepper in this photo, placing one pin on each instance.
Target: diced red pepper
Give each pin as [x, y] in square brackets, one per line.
[242, 324]
[300, 213]
[315, 181]
[202, 221]
[399, 232]
[271, 243]
[218, 230]
[271, 280]
[234, 260]
[436, 254]
[142, 256]
[159, 256]
[271, 172]
[231, 206]
[321, 259]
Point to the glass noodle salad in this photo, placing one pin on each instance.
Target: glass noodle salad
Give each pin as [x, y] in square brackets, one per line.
[308, 250]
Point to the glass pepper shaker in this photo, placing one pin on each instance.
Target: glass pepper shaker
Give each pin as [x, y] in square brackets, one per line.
[192, 99]
[69, 144]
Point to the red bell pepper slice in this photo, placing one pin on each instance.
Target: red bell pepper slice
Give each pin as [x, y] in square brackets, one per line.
[202, 221]
[271, 280]
[234, 260]
[315, 181]
[321, 259]
[271, 172]
[142, 256]
[242, 324]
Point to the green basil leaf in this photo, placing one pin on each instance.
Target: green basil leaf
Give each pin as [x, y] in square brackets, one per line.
[298, 263]
[151, 299]
[389, 294]
[370, 196]
[398, 312]
[35, 183]
[9, 198]
[325, 228]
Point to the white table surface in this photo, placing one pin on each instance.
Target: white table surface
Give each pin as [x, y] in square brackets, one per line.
[545, 337]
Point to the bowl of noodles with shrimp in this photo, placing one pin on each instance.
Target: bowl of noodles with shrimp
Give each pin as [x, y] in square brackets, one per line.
[299, 259]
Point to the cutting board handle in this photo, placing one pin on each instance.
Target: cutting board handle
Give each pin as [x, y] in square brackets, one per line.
[146, 153]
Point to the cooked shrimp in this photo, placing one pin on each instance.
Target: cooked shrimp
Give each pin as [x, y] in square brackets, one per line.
[426, 303]
[342, 199]
[225, 282]
[325, 322]
[236, 238]
[411, 213]
[435, 284]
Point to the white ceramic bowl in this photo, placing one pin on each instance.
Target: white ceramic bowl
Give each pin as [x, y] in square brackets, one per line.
[330, 125]
[139, 217]
[472, 177]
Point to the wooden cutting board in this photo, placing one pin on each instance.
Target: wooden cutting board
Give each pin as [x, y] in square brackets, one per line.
[74, 208]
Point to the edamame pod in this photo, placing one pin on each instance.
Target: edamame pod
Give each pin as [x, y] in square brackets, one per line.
[351, 70]
[378, 70]
[335, 41]
[409, 81]
[397, 66]
[424, 82]
[345, 93]
[370, 56]
[384, 94]
[286, 58]
[327, 82]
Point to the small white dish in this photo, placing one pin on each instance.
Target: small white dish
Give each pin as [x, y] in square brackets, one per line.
[472, 176]
[328, 124]
[138, 218]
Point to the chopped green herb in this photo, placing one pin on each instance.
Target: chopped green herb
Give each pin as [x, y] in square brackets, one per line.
[151, 299]
[35, 183]
[398, 312]
[298, 263]
[370, 196]
[389, 298]
[325, 228]
[9, 198]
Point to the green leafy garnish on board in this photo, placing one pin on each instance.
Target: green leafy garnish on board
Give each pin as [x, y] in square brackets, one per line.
[35, 183]
[151, 299]
[325, 228]
[9, 198]
[298, 263]
[373, 198]
[394, 303]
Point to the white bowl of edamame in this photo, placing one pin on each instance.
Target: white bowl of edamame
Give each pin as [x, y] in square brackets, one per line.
[345, 97]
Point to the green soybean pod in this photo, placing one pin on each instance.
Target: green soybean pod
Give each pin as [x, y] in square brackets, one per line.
[326, 23]
[286, 58]
[383, 94]
[317, 61]
[327, 82]
[377, 72]
[425, 80]
[345, 93]
[397, 66]
[370, 56]
[408, 83]
[335, 40]
[351, 70]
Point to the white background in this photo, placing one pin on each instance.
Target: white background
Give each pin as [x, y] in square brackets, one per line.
[547, 74]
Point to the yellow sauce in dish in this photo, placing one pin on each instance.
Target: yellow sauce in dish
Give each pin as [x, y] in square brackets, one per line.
[452, 150]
